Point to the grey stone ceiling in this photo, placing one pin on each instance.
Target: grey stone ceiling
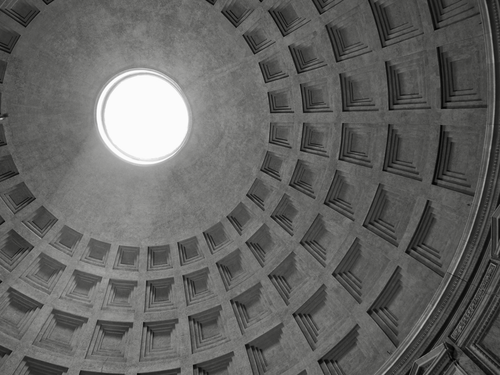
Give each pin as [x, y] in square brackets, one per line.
[321, 219]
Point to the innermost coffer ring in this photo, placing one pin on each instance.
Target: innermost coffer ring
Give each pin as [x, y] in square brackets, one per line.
[143, 117]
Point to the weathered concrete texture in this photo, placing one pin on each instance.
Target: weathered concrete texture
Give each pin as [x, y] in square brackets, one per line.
[51, 99]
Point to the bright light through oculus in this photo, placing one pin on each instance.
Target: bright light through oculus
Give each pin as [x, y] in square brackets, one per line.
[142, 116]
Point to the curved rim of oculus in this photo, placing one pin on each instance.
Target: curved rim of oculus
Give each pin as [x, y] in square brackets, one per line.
[142, 116]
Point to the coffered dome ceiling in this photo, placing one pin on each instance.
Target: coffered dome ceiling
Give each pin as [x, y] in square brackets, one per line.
[329, 214]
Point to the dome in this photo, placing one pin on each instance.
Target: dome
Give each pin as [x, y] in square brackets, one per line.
[332, 209]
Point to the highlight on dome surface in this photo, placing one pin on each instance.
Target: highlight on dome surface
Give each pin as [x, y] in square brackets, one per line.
[142, 116]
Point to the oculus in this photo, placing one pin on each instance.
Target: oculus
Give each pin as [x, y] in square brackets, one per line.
[142, 116]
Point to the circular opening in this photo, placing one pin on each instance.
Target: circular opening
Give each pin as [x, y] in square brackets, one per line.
[142, 116]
